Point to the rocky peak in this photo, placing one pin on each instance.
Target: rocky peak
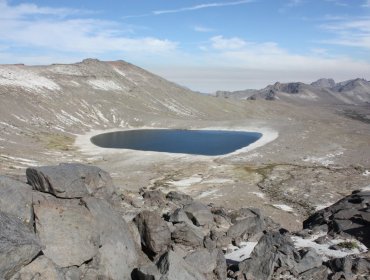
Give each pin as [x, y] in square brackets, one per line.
[324, 83]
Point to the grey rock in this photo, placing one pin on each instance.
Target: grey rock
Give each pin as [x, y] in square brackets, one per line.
[203, 260]
[247, 228]
[148, 272]
[179, 198]
[309, 260]
[154, 232]
[154, 198]
[349, 215]
[272, 251]
[172, 266]
[243, 213]
[16, 199]
[72, 273]
[71, 180]
[317, 273]
[41, 269]
[198, 213]
[188, 235]
[67, 230]
[118, 254]
[221, 267]
[18, 245]
[179, 216]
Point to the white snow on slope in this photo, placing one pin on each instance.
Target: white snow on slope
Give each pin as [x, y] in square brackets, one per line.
[104, 85]
[241, 254]
[186, 182]
[324, 249]
[16, 76]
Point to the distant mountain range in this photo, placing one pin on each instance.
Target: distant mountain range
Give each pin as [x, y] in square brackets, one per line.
[325, 91]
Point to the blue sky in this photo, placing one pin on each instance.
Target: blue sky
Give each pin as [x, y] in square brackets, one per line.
[205, 45]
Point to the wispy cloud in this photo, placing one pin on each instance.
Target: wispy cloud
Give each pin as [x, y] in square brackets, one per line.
[28, 26]
[338, 3]
[366, 4]
[353, 32]
[202, 6]
[203, 29]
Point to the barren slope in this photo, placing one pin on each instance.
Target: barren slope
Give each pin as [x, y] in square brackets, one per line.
[311, 156]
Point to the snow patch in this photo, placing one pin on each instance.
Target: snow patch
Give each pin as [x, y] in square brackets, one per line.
[283, 207]
[324, 249]
[104, 85]
[16, 76]
[206, 193]
[186, 182]
[325, 160]
[258, 194]
[366, 173]
[217, 181]
[241, 254]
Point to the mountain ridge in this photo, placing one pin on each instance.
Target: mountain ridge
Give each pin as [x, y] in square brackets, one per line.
[326, 91]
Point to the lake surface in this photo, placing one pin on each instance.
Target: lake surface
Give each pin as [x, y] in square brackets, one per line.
[195, 142]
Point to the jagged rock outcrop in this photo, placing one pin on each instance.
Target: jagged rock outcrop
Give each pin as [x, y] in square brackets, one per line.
[154, 231]
[18, 245]
[16, 199]
[94, 234]
[71, 180]
[350, 215]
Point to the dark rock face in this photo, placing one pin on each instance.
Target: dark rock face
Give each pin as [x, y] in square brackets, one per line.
[16, 199]
[350, 215]
[276, 254]
[188, 235]
[71, 180]
[117, 252]
[173, 266]
[198, 213]
[179, 198]
[154, 232]
[67, 230]
[18, 245]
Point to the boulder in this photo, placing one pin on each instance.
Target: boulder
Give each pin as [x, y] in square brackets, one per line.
[249, 228]
[198, 213]
[172, 266]
[147, 272]
[154, 198]
[118, 254]
[18, 245]
[203, 260]
[187, 235]
[349, 215]
[275, 253]
[41, 269]
[154, 232]
[179, 198]
[317, 273]
[71, 180]
[67, 230]
[16, 199]
[179, 216]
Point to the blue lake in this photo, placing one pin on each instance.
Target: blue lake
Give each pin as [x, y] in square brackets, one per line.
[195, 142]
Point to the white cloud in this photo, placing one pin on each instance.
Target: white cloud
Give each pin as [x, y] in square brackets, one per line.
[234, 64]
[221, 43]
[199, 28]
[202, 6]
[25, 9]
[31, 26]
[351, 32]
